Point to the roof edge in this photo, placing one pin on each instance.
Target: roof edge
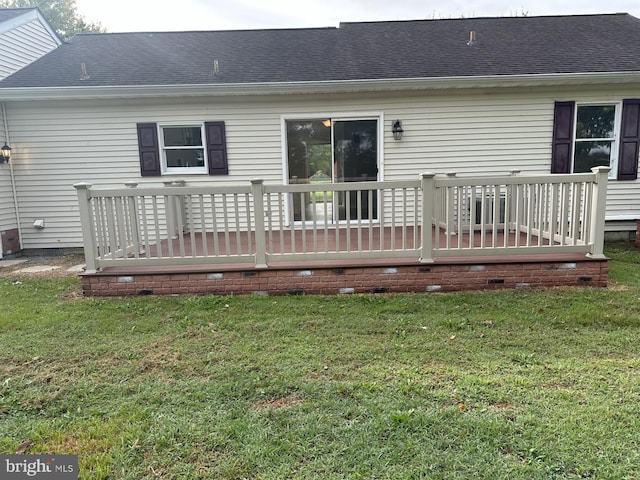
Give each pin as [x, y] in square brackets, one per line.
[297, 88]
[488, 17]
[31, 13]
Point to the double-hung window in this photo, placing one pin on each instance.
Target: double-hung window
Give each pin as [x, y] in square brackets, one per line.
[596, 134]
[596, 137]
[183, 149]
[168, 149]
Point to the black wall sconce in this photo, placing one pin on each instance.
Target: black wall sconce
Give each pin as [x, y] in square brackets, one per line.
[397, 130]
[5, 154]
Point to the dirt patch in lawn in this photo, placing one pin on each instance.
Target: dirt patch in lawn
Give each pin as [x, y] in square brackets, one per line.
[277, 403]
[54, 266]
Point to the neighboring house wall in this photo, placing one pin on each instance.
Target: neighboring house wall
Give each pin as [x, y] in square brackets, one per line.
[59, 143]
[23, 44]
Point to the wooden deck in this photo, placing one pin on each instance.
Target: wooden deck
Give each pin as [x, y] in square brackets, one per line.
[125, 236]
[346, 274]
[340, 240]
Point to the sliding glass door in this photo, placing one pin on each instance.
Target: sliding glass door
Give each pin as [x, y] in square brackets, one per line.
[333, 151]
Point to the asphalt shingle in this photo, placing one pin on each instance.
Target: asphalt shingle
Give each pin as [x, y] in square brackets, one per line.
[9, 13]
[354, 51]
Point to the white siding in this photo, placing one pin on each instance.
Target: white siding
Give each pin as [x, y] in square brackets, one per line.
[57, 144]
[22, 45]
[7, 210]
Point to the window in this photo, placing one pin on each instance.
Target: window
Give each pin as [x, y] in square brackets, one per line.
[595, 137]
[182, 149]
[585, 136]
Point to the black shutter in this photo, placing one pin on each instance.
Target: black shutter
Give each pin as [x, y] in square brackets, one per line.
[629, 140]
[149, 150]
[562, 147]
[216, 148]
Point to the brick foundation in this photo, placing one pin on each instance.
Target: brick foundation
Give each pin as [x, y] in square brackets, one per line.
[637, 233]
[367, 279]
[10, 241]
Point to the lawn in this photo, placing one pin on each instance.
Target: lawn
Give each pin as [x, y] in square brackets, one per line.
[537, 384]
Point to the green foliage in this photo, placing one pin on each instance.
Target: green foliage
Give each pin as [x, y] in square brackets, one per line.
[497, 385]
[62, 15]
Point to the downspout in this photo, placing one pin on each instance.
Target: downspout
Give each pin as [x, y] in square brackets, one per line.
[13, 179]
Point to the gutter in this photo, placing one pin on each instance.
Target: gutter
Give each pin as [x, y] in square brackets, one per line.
[13, 179]
[319, 87]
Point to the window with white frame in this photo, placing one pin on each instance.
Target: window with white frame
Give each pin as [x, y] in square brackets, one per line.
[596, 134]
[183, 149]
[596, 130]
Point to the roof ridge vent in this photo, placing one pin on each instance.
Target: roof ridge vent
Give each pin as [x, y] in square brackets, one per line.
[472, 38]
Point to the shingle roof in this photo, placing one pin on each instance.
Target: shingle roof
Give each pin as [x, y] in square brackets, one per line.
[9, 13]
[354, 51]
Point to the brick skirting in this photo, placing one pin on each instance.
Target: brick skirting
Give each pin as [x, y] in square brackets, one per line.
[369, 279]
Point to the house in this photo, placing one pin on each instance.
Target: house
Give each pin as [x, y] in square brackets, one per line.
[477, 96]
[25, 36]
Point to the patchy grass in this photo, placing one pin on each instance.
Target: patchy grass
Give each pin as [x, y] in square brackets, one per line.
[496, 385]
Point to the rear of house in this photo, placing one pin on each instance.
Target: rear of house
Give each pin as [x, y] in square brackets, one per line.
[536, 95]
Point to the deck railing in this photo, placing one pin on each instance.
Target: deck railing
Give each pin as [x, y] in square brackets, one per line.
[264, 225]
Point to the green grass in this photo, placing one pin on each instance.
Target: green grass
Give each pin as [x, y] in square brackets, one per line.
[496, 385]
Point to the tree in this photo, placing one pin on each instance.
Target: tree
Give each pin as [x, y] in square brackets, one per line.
[62, 15]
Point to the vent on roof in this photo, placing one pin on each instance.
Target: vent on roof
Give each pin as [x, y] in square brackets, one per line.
[216, 68]
[472, 38]
[85, 75]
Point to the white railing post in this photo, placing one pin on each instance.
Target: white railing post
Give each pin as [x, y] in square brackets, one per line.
[86, 222]
[170, 210]
[427, 188]
[450, 208]
[598, 212]
[516, 209]
[182, 212]
[258, 210]
[175, 213]
[135, 222]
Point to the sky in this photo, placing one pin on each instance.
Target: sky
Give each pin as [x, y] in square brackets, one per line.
[181, 15]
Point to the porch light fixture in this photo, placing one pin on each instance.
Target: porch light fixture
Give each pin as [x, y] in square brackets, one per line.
[397, 130]
[5, 154]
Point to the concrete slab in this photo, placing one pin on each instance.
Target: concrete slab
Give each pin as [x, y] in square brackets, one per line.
[38, 269]
[12, 263]
[76, 268]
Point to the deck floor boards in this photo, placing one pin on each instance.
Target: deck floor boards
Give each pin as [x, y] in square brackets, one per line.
[344, 240]
[373, 239]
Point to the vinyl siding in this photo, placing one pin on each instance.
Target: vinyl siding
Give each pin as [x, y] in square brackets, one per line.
[7, 210]
[57, 144]
[22, 45]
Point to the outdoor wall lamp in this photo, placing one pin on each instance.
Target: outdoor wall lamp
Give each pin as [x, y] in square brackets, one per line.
[397, 130]
[5, 153]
